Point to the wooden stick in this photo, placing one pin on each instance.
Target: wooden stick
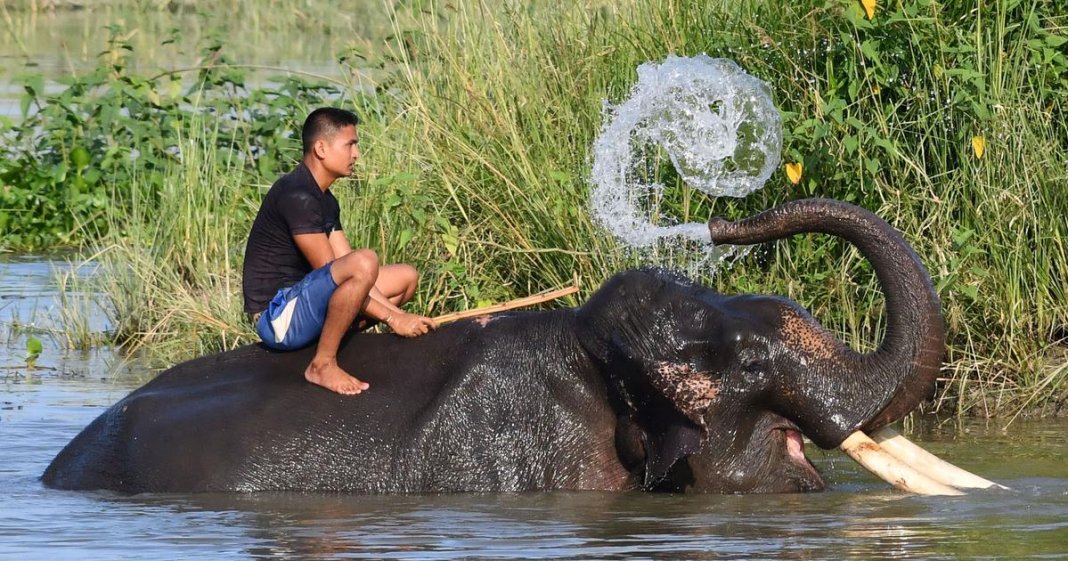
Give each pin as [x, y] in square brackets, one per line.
[510, 305]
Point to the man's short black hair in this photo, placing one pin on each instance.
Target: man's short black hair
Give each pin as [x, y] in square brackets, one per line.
[325, 122]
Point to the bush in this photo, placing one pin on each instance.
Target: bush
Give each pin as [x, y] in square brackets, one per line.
[77, 152]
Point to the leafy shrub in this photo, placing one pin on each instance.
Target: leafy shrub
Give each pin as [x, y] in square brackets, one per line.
[77, 151]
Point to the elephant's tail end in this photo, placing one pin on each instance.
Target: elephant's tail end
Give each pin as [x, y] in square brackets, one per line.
[93, 460]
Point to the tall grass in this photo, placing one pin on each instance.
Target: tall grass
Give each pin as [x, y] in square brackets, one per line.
[173, 258]
[477, 151]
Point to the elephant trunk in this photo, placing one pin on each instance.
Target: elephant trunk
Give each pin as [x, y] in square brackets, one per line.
[846, 391]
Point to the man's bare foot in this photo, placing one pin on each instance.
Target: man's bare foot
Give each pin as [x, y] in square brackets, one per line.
[328, 374]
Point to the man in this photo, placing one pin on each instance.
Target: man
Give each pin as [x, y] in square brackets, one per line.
[301, 278]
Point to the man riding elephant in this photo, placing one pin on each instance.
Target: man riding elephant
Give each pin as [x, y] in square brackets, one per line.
[301, 278]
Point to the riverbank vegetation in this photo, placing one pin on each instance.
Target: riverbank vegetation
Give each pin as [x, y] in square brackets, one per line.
[948, 120]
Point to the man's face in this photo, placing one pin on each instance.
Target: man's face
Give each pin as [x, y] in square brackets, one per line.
[340, 151]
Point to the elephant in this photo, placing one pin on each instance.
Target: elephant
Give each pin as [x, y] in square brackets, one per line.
[655, 383]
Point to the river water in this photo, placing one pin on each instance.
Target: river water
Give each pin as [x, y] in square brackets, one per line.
[859, 518]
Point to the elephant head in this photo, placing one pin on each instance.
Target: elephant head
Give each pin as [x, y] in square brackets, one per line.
[714, 391]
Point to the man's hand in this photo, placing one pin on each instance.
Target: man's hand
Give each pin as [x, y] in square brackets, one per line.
[410, 325]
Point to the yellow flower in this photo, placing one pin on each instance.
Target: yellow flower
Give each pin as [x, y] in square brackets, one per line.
[869, 7]
[978, 146]
[793, 171]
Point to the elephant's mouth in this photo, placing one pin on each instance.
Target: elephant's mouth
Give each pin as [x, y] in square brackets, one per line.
[794, 444]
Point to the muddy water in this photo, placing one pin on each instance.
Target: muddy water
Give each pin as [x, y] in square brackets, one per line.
[860, 518]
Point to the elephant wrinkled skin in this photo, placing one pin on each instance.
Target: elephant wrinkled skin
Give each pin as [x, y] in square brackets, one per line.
[655, 383]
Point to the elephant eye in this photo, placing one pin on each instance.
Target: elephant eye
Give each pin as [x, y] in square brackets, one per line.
[753, 365]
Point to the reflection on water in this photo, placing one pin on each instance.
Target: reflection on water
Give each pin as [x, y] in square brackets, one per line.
[29, 295]
[860, 518]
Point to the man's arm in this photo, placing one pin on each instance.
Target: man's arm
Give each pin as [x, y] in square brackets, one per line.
[339, 244]
[316, 249]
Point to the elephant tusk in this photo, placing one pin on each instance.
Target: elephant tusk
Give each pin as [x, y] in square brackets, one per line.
[891, 470]
[927, 463]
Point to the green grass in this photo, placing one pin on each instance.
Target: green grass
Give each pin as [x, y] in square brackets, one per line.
[476, 157]
[173, 258]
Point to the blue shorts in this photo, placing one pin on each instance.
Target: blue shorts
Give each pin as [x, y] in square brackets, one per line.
[296, 314]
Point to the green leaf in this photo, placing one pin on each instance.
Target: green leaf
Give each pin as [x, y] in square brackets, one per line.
[33, 350]
[92, 176]
[872, 166]
[80, 158]
[34, 346]
[403, 238]
[1055, 40]
[887, 145]
[850, 142]
[964, 73]
[396, 178]
[853, 89]
[870, 50]
[59, 173]
[35, 85]
[962, 235]
[451, 243]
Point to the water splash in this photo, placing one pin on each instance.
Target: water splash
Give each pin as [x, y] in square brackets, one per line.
[716, 124]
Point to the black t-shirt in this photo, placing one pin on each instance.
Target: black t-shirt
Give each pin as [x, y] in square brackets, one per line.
[294, 205]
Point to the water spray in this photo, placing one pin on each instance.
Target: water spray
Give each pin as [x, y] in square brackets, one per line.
[717, 125]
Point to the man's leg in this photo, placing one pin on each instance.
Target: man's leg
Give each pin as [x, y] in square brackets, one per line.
[397, 282]
[355, 274]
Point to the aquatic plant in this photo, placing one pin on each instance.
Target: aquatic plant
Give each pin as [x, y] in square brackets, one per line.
[33, 350]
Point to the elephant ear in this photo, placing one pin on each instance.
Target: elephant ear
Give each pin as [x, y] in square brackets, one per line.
[653, 433]
[656, 433]
[654, 443]
[667, 444]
